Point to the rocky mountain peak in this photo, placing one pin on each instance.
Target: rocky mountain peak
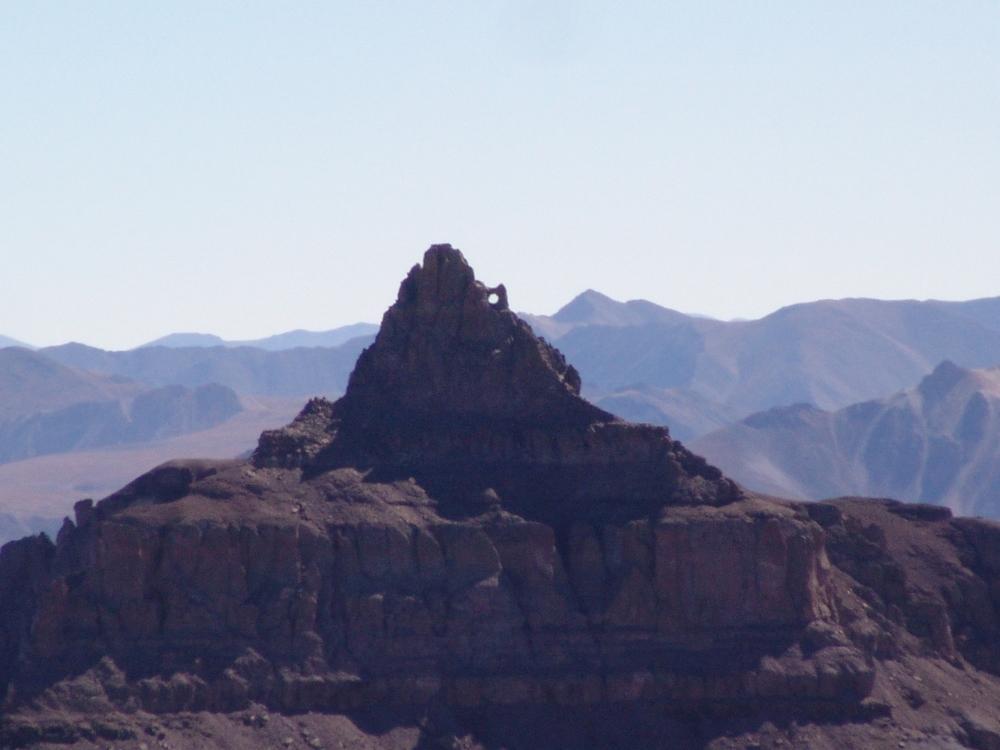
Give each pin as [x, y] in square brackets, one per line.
[458, 392]
[450, 349]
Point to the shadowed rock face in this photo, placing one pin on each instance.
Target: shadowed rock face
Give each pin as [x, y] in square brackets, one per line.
[446, 353]
[458, 393]
[466, 545]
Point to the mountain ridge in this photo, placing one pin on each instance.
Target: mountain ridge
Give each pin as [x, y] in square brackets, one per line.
[937, 442]
[724, 366]
[154, 414]
[829, 353]
[276, 342]
[31, 382]
[7, 341]
[252, 371]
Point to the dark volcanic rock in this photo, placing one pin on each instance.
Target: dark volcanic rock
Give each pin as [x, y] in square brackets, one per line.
[463, 551]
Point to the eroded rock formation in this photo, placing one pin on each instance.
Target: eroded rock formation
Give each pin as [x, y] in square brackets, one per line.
[464, 542]
[458, 393]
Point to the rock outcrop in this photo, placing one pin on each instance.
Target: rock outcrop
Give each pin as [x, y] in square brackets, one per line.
[465, 545]
[458, 393]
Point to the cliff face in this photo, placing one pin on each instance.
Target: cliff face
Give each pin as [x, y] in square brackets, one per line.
[464, 542]
[364, 589]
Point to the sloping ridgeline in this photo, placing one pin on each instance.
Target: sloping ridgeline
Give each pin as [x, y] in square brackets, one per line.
[303, 371]
[695, 374]
[154, 415]
[938, 442]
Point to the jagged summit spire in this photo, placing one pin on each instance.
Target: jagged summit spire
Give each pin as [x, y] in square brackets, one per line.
[449, 348]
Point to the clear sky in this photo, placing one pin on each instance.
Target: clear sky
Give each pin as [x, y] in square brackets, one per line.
[246, 168]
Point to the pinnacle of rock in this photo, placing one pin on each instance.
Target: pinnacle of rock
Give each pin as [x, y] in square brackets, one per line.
[459, 393]
[450, 349]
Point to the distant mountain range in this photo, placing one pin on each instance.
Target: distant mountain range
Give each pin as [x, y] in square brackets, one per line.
[6, 341]
[637, 359]
[47, 407]
[75, 398]
[691, 373]
[32, 383]
[938, 442]
[289, 340]
[153, 415]
[289, 372]
[278, 342]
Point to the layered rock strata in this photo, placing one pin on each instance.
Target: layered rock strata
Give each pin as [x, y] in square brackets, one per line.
[345, 591]
[458, 393]
[462, 533]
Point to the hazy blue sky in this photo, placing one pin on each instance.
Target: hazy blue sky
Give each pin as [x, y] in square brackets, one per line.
[246, 168]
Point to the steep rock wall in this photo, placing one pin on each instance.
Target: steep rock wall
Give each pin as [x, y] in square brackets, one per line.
[398, 602]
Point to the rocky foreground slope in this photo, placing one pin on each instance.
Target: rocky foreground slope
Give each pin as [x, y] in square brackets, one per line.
[461, 552]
